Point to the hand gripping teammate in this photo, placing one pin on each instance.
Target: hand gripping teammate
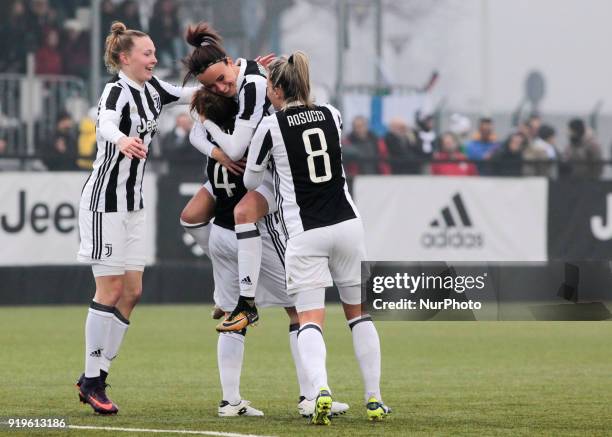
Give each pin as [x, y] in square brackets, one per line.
[246, 80]
[326, 239]
[112, 216]
[227, 190]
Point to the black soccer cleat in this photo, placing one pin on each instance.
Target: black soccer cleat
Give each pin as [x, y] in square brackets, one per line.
[92, 391]
[81, 380]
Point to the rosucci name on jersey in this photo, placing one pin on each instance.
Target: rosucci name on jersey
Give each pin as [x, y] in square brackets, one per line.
[305, 117]
[146, 126]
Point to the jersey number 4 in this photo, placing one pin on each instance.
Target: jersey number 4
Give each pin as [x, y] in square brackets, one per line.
[321, 153]
[223, 183]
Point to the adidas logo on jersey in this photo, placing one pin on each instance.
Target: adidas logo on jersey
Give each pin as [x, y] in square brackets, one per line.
[246, 281]
[452, 229]
[97, 353]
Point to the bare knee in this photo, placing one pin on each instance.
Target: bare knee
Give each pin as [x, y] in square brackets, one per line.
[352, 311]
[252, 207]
[241, 214]
[109, 289]
[132, 293]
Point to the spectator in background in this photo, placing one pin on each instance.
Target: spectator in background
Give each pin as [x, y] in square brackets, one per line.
[166, 29]
[61, 151]
[450, 151]
[484, 142]
[403, 148]
[532, 127]
[361, 149]
[507, 160]
[483, 145]
[426, 134]
[129, 15]
[75, 49]
[460, 126]
[15, 38]
[48, 57]
[583, 153]
[87, 140]
[176, 141]
[41, 20]
[108, 14]
[544, 151]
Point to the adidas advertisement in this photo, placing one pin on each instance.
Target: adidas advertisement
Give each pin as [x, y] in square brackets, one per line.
[413, 218]
[39, 217]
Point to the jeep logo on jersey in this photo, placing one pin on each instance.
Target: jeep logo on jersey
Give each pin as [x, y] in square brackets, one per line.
[146, 126]
[452, 229]
[601, 227]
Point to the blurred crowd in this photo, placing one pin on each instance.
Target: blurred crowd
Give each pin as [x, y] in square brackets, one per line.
[534, 148]
[57, 33]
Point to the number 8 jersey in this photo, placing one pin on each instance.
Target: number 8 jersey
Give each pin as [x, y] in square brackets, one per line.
[303, 148]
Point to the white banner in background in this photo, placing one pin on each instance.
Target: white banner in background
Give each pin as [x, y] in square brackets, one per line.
[39, 217]
[424, 218]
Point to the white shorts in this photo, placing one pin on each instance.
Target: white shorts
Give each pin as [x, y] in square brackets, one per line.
[114, 240]
[271, 289]
[266, 189]
[318, 257]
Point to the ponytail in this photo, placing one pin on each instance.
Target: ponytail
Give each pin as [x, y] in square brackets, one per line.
[208, 49]
[293, 76]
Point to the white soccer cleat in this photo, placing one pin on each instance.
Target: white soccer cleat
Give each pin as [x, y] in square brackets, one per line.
[241, 409]
[306, 407]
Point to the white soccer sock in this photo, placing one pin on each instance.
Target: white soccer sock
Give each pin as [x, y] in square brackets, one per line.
[249, 257]
[311, 345]
[118, 327]
[367, 351]
[97, 326]
[200, 233]
[306, 389]
[230, 353]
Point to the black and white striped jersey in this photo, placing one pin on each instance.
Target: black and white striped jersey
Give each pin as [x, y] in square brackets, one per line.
[125, 109]
[252, 83]
[303, 147]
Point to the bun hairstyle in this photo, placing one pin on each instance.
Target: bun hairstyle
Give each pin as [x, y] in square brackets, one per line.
[208, 49]
[293, 76]
[120, 39]
[214, 107]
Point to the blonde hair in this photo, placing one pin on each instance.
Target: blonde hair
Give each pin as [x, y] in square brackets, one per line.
[120, 39]
[293, 76]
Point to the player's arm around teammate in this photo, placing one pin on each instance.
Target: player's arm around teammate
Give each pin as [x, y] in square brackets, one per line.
[326, 239]
[219, 73]
[112, 216]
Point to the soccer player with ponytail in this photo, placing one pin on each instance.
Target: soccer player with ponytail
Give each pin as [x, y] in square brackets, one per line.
[112, 223]
[326, 238]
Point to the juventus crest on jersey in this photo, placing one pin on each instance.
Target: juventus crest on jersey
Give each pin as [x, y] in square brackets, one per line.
[115, 183]
[303, 147]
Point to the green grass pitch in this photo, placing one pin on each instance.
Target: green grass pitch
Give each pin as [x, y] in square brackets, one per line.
[440, 378]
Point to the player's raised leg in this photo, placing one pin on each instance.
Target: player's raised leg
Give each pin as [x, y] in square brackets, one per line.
[251, 208]
[196, 216]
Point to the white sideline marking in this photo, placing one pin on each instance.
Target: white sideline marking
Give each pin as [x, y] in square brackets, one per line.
[169, 431]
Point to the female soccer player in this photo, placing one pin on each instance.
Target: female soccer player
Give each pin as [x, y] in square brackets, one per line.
[209, 63]
[228, 189]
[326, 239]
[112, 215]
